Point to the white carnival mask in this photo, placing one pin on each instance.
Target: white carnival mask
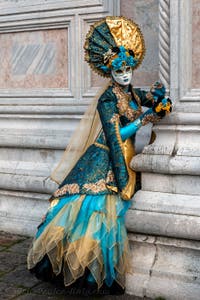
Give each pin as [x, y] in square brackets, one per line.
[122, 75]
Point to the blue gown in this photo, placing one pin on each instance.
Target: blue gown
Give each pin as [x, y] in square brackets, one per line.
[83, 236]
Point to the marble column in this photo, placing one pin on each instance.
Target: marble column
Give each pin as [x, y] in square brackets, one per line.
[164, 220]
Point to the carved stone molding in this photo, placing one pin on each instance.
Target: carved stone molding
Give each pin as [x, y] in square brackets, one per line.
[21, 16]
[164, 42]
[187, 98]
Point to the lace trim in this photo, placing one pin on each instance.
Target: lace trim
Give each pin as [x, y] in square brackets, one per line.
[96, 187]
[123, 100]
[67, 188]
[115, 118]
[150, 118]
[150, 97]
[101, 146]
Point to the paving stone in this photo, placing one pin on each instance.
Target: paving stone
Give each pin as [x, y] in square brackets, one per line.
[51, 290]
[8, 291]
[29, 296]
[2, 248]
[21, 277]
[10, 260]
[7, 239]
[2, 273]
[46, 288]
[21, 247]
[32, 296]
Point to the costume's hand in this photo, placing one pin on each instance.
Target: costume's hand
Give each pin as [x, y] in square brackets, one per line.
[132, 128]
[162, 107]
[158, 90]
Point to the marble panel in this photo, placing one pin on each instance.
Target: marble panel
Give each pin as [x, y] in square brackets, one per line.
[195, 44]
[97, 80]
[34, 59]
[145, 14]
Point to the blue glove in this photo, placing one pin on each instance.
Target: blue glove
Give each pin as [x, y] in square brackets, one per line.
[161, 107]
[158, 90]
[130, 129]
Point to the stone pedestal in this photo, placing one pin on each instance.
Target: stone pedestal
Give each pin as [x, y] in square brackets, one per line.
[164, 267]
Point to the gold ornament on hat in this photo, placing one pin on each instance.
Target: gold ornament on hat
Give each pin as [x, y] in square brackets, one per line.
[128, 34]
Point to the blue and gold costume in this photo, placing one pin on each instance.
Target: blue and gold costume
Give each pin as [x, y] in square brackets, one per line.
[83, 234]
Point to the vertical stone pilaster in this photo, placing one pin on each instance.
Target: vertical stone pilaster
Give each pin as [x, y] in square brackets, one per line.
[164, 42]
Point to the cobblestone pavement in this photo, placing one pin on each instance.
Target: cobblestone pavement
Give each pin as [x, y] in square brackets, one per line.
[17, 283]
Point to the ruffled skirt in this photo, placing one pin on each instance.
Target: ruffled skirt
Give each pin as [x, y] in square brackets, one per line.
[82, 236]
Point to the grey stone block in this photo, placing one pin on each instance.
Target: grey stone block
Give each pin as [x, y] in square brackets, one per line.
[21, 247]
[8, 291]
[9, 260]
[20, 277]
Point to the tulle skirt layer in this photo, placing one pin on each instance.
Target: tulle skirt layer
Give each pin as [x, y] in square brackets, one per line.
[84, 232]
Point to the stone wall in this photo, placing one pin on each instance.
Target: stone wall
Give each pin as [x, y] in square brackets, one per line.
[195, 44]
[45, 87]
[145, 13]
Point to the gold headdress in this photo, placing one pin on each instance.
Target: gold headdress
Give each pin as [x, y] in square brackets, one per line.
[112, 42]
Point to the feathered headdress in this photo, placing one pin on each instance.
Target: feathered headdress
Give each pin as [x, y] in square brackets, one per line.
[113, 42]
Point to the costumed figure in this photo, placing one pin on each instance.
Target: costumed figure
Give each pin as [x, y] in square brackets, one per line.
[82, 240]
